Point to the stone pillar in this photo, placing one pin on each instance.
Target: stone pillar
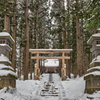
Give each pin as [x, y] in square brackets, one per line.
[8, 77]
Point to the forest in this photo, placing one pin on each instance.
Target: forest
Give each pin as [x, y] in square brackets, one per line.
[50, 24]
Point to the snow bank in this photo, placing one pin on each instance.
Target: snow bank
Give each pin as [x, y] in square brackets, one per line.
[22, 77]
[27, 90]
[74, 88]
[28, 87]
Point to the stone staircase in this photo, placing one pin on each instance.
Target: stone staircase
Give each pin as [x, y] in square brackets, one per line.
[49, 88]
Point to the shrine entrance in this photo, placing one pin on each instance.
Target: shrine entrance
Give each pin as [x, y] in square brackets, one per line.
[39, 67]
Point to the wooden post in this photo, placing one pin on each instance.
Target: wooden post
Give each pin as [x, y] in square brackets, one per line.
[38, 69]
[37, 60]
[63, 67]
[35, 72]
[63, 60]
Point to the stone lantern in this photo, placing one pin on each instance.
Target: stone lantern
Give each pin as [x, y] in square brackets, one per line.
[7, 75]
[92, 76]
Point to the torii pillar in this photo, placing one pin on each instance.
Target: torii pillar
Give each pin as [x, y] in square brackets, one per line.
[63, 69]
[37, 69]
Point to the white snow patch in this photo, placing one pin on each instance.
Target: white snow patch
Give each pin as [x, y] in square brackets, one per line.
[51, 63]
[98, 45]
[50, 49]
[28, 90]
[74, 88]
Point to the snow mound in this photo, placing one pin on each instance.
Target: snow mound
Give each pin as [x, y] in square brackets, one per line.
[74, 88]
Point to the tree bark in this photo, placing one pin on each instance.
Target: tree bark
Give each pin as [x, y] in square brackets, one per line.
[14, 37]
[37, 24]
[26, 49]
[68, 44]
[78, 40]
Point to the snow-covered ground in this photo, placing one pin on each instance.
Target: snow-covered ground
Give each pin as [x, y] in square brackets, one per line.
[71, 89]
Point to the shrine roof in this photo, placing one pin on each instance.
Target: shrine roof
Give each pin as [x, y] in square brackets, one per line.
[5, 45]
[6, 35]
[93, 36]
[4, 59]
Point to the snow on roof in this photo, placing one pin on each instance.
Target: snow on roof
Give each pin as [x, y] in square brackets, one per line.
[5, 34]
[4, 59]
[50, 49]
[51, 63]
[6, 45]
[95, 73]
[93, 36]
[97, 67]
[7, 72]
[4, 66]
[98, 45]
[96, 59]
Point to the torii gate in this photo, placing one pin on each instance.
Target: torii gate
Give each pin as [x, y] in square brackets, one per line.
[49, 51]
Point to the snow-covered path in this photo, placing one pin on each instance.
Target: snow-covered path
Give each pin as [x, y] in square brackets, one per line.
[56, 90]
[53, 88]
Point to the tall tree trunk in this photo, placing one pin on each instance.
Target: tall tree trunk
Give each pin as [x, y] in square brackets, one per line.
[68, 44]
[65, 37]
[26, 49]
[37, 24]
[14, 37]
[78, 39]
[31, 69]
[82, 39]
[7, 19]
[20, 63]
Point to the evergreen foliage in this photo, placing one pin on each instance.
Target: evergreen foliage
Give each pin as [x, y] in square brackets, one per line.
[53, 25]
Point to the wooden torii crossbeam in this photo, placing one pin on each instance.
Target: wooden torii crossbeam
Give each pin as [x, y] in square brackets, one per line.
[50, 51]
